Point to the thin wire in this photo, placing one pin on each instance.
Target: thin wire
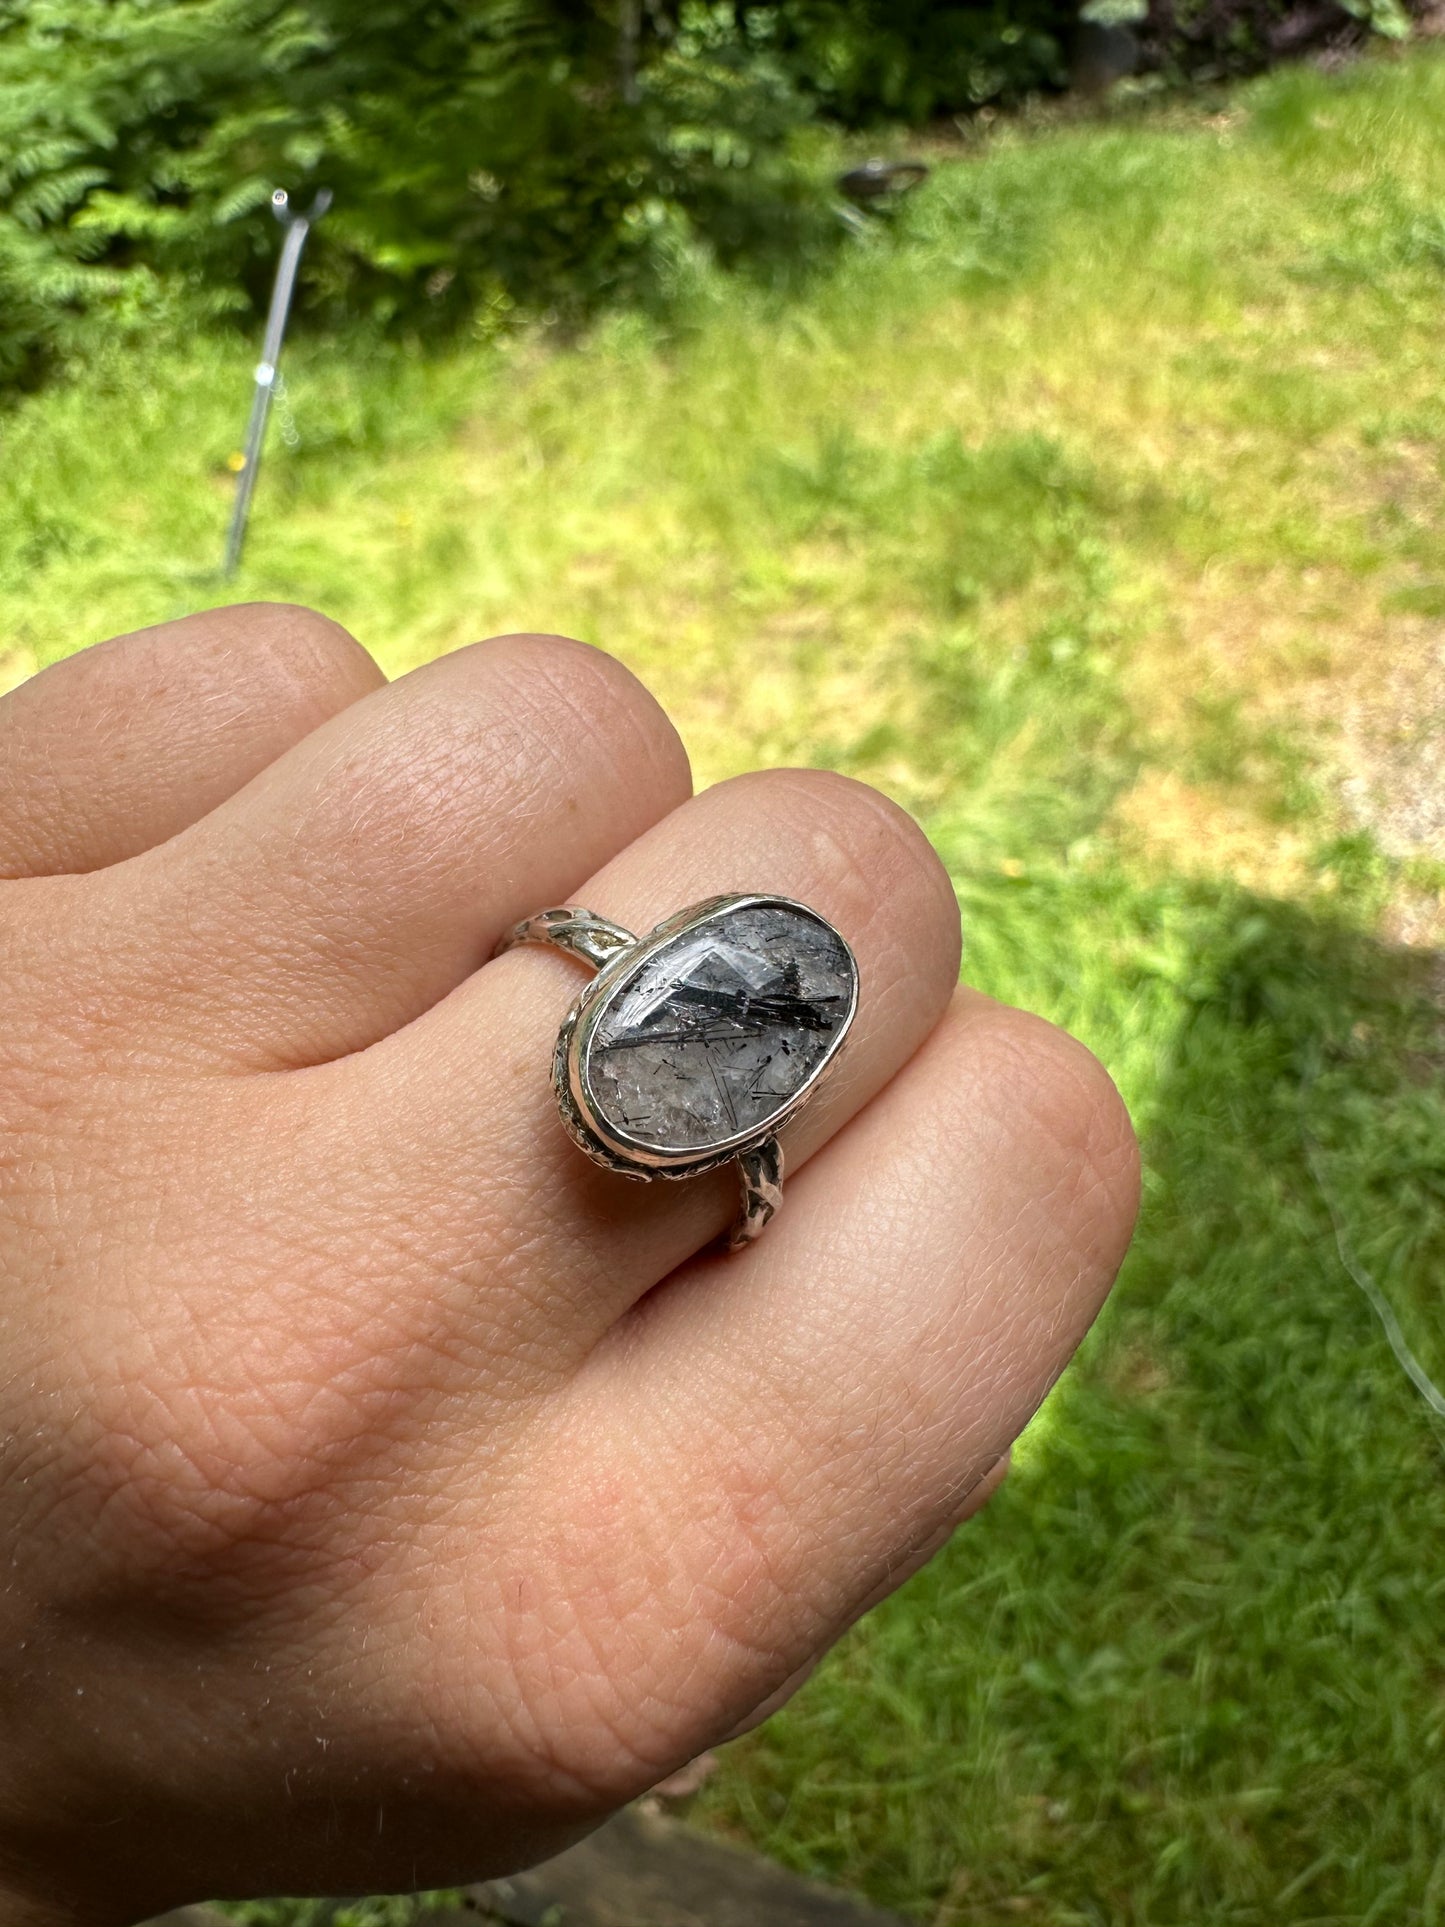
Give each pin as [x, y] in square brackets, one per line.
[1378, 1302]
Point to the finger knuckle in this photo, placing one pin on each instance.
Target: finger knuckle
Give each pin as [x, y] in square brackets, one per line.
[1071, 1126]
[568, 695]
[301, 653]
[868, 858]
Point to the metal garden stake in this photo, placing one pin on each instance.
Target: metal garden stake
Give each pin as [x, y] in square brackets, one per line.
[297, 227]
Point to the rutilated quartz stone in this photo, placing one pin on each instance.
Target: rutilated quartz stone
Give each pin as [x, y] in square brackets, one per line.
[720, 1029]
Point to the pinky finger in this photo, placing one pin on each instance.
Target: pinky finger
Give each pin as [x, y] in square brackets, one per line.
[969, 1508]
[815, 1413]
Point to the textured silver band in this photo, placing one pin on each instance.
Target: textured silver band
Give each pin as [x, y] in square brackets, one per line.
[596, 941]
[581, 933]
[761, 1172]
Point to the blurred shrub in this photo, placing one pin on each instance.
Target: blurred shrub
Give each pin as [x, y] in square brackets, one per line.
[865, 61]
[911, 60]
[483, 154]
[487, 156]
[1214, 39]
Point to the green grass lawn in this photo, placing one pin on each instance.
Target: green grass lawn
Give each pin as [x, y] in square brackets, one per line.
[1097, 514]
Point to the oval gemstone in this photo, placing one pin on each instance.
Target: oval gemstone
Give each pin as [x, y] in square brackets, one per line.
[721, 1028]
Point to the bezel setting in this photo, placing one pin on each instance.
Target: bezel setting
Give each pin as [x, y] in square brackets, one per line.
[604, 1142]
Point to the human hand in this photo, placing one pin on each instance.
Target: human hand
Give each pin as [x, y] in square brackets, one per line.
[386, 1492]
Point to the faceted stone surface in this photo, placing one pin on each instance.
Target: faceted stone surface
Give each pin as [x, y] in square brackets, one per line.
[718, 1030]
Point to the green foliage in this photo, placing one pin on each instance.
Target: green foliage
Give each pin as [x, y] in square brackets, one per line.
[484, 155]
[909, 60]
[1212, 39]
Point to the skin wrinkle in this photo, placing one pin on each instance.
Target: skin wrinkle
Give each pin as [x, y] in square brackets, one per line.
[628, 1738]
[617, 1674]
[372, 1355]
[524, 1733]
[304, 1280]
[416, 771]
[237, 1475]
[750, 1512]
[512, 1275]
[657, 744]
[524, 724]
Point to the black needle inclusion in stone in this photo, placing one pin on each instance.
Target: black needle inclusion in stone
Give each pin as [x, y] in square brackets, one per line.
[722, 1027]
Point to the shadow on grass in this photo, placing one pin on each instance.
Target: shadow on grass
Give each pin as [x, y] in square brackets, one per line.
[1187, 1666]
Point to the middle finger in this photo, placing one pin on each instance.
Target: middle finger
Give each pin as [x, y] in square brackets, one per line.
[369, 869]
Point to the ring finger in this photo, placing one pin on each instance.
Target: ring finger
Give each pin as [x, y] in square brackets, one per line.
[455, 1115]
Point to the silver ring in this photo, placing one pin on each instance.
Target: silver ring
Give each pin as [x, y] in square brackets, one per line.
[694, 1045]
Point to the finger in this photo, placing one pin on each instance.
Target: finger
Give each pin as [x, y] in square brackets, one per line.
[795, 1431]
[896, 1577]
[114, 750]
[378, 863]
[455, 1123]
